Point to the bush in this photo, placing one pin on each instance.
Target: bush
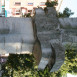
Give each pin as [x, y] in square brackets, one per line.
[66, 13]
[51, 4]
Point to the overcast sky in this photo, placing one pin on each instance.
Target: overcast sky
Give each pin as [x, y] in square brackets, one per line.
[71, 4]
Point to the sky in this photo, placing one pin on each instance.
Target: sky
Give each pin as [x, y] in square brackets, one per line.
[69, 75]
[71, 4]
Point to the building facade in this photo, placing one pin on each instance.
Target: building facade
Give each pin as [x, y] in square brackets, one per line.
[18, 8]
[2, 8]
[21, 7]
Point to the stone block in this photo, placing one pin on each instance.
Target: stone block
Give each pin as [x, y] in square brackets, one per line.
[13, 47]
[39, 11]
[26, 48]
[43, 63]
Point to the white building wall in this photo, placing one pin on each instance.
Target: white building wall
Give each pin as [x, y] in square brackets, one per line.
[0, 6]
[25, 4]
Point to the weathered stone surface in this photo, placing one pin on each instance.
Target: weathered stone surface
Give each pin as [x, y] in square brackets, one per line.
[16, 35]
[59, 51]
[47, 31]
[37, 51]
[43, 63]
[68, 23]
[39, 11]
[43, 36]
[69, 37]
[51, 11]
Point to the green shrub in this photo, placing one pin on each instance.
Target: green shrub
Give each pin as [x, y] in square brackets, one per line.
[51, 4]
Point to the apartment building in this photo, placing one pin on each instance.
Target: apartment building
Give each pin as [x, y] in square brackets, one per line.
[21, 7]
[17, 8]
[2, 8]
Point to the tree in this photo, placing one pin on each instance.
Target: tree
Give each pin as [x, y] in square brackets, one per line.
[51, 4]
[66, 13]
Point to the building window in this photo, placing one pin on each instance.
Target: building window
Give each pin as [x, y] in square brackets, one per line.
[30, 4]
[17, 3]
[30, 11]
[17, 12]
[42, 4]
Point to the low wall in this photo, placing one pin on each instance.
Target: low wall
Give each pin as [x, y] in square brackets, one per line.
[68, 23]
[16, 35]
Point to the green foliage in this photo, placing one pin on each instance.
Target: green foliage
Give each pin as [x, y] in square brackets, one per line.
[27, 15]
[51, 4]
[71, 57]
[43, 73]
[24, 66]
[66, 13]
[18, 64]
